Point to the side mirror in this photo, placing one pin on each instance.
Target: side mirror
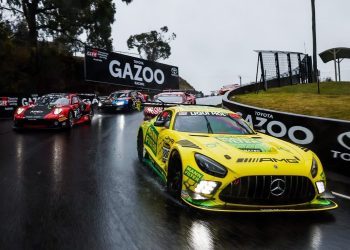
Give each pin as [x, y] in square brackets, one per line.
[165, 124]
[159, 123]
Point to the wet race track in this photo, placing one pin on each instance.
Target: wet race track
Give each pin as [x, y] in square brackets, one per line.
[85, 189]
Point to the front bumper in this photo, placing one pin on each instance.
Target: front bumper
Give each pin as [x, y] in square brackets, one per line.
[319, 204]
[39, 123]
[111, 107]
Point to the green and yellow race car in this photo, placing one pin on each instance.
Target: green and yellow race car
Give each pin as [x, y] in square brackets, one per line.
[212, 159]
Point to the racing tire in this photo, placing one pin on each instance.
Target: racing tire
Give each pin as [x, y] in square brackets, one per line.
[174, 178]
[70, 121]
[140, 146]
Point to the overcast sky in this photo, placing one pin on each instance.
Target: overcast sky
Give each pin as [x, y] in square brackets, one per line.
[216, 39]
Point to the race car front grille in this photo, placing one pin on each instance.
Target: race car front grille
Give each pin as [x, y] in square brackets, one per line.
[35, 123]
[269, 190]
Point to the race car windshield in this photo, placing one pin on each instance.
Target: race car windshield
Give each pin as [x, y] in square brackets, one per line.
[119, 95]
[212, 124]
[170, 99]
[53, 100]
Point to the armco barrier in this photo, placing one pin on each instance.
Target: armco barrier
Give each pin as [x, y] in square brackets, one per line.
[328, 138]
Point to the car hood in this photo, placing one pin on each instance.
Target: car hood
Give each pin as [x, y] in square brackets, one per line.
[38, 111]
[258, 154]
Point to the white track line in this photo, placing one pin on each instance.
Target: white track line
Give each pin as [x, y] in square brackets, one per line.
[341, 195]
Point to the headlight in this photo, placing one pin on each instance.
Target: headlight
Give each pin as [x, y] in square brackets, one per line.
[321, 188]
[210, 166]
[57, 111]
[206, 187]
[314, 168]
[20, 111]
[99, 104]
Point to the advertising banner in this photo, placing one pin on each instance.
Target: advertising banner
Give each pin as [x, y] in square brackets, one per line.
[114, 68]
[9, 103]
[328, 138]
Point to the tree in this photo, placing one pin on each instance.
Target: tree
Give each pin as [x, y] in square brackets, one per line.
[152, 45]
[314, 41]
[65, 21]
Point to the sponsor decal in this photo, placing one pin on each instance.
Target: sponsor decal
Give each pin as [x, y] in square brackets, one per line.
[3, 102]
[262, 114]
[211, 145]
[251, 149]
[36, 111]
[169, 140]
[200, 113]
[97, 55]
[136, 72]
[152, 138]
[246, 144]
[30, 100]
[344, 141]
[267, 159]
[61, 119]
[298, 134]
[115, 68]
[193, 174]
[174, 71]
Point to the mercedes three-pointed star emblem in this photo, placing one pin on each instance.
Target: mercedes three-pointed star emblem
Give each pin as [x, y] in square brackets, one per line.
[277, 187]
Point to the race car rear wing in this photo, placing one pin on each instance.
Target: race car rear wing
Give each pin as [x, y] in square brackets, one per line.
[169, 104]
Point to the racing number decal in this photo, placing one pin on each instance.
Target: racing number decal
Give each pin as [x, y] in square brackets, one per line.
[166, 150]
[151, 139]
[77, 113]
[138, 105]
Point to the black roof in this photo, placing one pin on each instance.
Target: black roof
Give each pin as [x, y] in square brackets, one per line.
[340, 53]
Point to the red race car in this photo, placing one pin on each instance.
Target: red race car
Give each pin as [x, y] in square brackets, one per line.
[54, 111]
[167, 98]
[226, 88]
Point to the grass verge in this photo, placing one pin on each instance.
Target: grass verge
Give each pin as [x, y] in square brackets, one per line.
[333, 102]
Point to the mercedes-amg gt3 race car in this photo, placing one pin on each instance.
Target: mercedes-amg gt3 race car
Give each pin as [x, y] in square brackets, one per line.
[53, 111]
[213, 160]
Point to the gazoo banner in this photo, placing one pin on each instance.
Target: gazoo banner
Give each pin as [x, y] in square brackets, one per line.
[328, 138]
[113, 68]
[9, 103]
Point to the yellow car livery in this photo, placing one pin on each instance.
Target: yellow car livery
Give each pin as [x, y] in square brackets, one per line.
[213, 160]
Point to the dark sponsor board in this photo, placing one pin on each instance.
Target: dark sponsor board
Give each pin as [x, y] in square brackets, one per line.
[9, 103]
[114, 68]
[328, 138]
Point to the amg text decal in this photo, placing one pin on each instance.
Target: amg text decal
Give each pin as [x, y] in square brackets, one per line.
[286, 160]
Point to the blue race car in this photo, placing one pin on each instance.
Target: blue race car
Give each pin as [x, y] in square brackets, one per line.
[121, 100]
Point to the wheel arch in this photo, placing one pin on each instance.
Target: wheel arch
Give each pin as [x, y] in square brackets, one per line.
[170, 163]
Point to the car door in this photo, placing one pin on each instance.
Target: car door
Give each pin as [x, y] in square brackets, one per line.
[76, 107]
[165, 140]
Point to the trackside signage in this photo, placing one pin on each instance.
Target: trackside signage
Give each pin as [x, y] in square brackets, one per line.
[328, 138]
[114, 68]
[9, 103]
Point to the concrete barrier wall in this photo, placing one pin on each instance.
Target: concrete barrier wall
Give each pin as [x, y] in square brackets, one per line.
[328, 138]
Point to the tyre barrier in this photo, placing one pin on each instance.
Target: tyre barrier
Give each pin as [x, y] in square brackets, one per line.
[328, 138]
